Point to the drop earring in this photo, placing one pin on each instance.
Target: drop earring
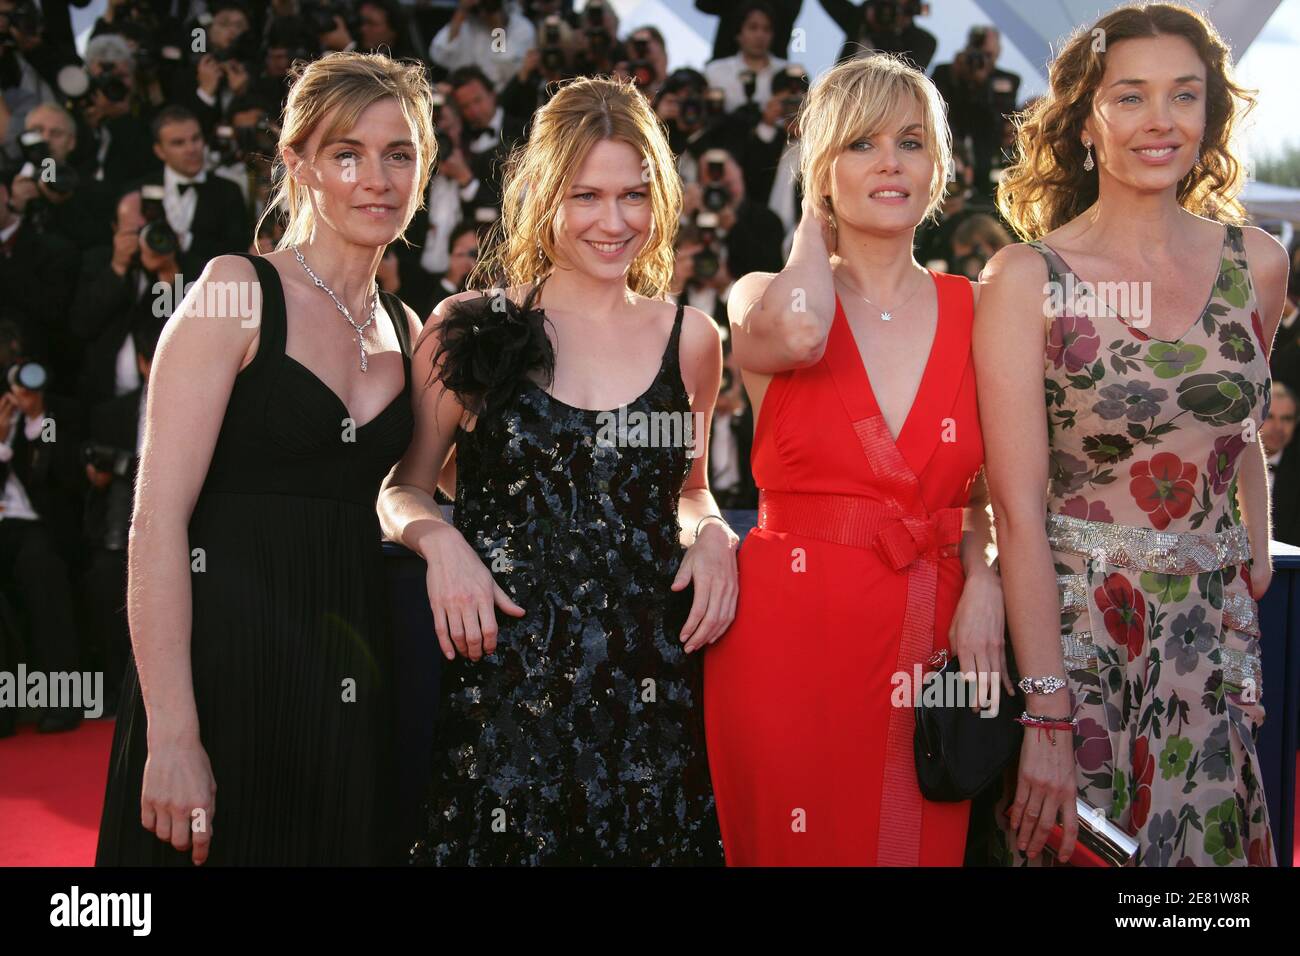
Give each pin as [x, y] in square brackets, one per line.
[1088, 164]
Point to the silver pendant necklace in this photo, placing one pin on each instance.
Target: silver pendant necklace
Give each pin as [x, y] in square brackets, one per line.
[886, 315]
[374, 298]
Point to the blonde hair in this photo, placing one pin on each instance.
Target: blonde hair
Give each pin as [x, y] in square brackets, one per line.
[344, 84]
[1047, 185]
[583, 112]
[856, 99]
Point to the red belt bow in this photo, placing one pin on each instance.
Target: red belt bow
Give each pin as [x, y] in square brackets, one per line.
[907, 538]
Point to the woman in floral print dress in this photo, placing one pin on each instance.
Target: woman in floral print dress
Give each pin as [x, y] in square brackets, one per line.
[1156, 509]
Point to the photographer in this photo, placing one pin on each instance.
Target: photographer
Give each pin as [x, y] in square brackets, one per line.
[767, 134]
[548, 62]
[382, 27]
[36, 271]
[979, 98]
[21, 86]
[49, 192]
[40, 488]
[116, 285]
[113, 139]
[884, 25]
[468, 39]
[730, 15]
[47, 46]
[719, 208]
[646, 62]
[746, 78]
[224, 70]
[203, 215]
[111, 456]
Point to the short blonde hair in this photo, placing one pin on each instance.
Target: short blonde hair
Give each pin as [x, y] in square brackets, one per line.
[858, 98]
[583, 112]
[345, 84]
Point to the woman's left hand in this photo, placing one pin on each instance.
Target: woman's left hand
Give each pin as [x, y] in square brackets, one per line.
[978, 638]
[711, 564]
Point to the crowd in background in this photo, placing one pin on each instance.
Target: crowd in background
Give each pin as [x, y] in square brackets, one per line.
[138, 162]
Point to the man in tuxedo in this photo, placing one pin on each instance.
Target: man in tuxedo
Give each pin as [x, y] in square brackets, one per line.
[980, 98]
[114, 291]
[39, 496]
[488, 134]
[206, 213]
[1282, 453]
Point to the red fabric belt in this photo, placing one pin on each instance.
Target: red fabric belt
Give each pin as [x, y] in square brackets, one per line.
[898, 538]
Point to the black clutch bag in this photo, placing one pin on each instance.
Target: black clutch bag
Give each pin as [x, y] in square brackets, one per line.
[960, 751]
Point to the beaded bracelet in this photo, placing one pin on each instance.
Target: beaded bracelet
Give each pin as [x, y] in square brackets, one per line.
[1050, 724]
[1041, 685]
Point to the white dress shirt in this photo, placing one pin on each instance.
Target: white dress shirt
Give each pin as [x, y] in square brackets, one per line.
[724, 73]
[15, 505]
[180, 207]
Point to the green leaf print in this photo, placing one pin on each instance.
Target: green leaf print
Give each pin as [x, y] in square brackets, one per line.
[1170, 361]
[1234, 293]
[1174, 757]
[1166, 587]
[1223, 833]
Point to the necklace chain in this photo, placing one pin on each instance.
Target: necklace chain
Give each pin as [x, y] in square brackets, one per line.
[374, 298]
[886, 315]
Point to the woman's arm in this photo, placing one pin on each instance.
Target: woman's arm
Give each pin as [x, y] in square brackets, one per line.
[1009, 344]
[711, 555]
[190, 381]
[1269, 268]
[780, 322]
[462, 591]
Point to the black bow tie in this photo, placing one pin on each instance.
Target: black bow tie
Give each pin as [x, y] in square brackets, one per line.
[476, 131]
[182, 187]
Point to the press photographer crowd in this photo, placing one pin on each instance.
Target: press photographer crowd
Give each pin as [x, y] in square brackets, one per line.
[125, 169]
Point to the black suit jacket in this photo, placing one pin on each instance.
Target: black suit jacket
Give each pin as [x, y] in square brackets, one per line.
[728, 13]
[1284, 364]
[36, 282]
[221, 222]
[914, 42]
[1286, 496]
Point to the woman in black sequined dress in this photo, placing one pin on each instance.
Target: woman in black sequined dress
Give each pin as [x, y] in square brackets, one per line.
[566, 599]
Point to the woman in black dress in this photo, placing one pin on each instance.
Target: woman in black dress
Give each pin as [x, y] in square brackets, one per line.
[279, 400]
[571, 728]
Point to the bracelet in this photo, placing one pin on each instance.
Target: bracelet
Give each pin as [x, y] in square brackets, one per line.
[1049, 724]
[706, 518]
[1041, 685]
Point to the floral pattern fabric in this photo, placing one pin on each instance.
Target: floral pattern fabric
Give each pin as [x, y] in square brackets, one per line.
[1150, 434]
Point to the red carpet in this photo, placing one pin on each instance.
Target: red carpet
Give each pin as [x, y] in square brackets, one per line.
[51, 794]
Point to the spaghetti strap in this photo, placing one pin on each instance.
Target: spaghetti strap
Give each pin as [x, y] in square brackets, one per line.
[671, 357]
[272, 330]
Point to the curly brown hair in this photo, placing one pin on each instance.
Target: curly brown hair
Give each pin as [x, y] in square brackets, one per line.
[1047, 185]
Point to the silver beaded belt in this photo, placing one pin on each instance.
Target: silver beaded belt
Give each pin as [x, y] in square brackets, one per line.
[1145, 549]
[1239, 667]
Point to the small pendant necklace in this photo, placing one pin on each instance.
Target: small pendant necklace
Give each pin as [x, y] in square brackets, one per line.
[361, 343]
[886, 315]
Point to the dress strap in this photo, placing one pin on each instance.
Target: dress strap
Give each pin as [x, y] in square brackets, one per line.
[401, 325]
[672, 353]
[272, 328]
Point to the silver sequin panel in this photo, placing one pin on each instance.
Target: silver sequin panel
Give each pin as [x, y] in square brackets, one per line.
[1145, 549]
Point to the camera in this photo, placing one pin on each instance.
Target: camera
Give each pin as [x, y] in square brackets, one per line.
[157, 233]
[706, 263]
[36, 151]
[791, 84]
[552, 52]
[639, 63]
[888, 14]
[29, 375]
[713, 168]
[115, 461]
[749, 83]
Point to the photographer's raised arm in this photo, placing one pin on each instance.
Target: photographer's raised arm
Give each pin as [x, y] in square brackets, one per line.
[781, 321]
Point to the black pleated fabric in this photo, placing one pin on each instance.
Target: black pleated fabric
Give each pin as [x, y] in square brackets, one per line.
[291, 604]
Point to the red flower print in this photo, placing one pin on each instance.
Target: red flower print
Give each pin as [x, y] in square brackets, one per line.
[1124, 610]
[1259, 853]
[1163, 487]
[1144, 771]
[1079, 507]
[1258, 326]
[1073, 342]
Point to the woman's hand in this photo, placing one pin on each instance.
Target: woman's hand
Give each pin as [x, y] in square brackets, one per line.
[179, 797]
[977, 637]
[462, 595]
[711, 564]
[1045, 786]
[1261, 576]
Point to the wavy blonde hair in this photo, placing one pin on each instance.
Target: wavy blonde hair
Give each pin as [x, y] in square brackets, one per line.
[860, 98]
[1047, 185]
[344, 84]
[583, 112]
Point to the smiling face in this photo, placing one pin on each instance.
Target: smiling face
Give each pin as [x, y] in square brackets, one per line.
[882, 180]
[363, 184]
[1148, 114]
[605, 214]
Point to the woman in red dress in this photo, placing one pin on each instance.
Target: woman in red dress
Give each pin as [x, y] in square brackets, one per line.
[869, 556]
